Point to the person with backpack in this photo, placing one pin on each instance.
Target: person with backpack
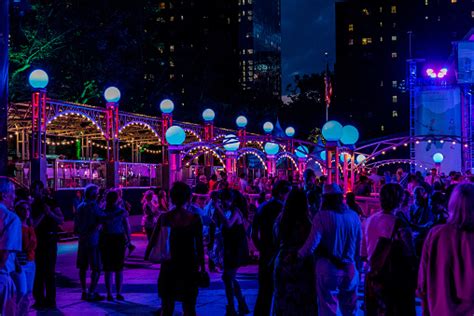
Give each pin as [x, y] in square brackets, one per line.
[388, 246]
[335, 240]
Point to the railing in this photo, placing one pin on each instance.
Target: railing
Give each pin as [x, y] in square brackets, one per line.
[75, 174]
[139, 175]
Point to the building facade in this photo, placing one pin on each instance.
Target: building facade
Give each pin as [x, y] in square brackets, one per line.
[374, 40]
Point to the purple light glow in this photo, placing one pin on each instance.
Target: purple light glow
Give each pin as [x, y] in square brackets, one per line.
[430, 72]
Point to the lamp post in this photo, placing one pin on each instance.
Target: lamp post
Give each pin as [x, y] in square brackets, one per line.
[350, 135]
[231, 145]
[268, 129]
[38, 80]
[166, 108]
[438, 159]
[302, 153]
[332, 132]
[112, 97]
[241, 123]
[271, 149]
[208, 116]
[175, 137]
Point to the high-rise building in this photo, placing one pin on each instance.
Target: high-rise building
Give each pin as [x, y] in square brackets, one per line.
[205, 53]
[374, 39]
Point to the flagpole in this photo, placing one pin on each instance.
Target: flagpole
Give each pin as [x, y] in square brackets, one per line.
[327, 79]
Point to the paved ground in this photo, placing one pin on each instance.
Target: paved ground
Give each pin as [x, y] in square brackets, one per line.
[140, 288]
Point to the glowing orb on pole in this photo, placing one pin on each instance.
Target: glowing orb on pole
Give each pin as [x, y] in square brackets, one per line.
[166, 106]
[241, 121]
[332, 131]
[301, 151]
[438, 158]
[112, 94]
[175, 135]
[208, 115]
[38, 79]
[271, 148]
[350, 135]
[268, 127]
[231, 142]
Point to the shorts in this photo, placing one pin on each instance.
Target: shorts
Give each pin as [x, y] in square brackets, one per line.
[88, 257]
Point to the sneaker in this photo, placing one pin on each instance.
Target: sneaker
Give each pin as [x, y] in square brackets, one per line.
[95, 297]
[84, 296]
[120, 297]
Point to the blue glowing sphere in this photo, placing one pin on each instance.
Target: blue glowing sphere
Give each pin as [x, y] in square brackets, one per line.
[290, 131]
[360, 158]
[241, 121]
[166, 106]
[341, 157]
[301, 151]
[38, 79]
[271, 148]
[332, 131]
[231, 142]
[112, 94]
[438, 158]
[268, 127]
[323, 155]
[208, 115]
[175, 135]
[350, 135]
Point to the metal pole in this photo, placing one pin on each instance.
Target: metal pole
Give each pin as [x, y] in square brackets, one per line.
[4, 33]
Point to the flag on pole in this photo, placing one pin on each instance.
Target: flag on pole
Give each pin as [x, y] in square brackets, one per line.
[327, 86]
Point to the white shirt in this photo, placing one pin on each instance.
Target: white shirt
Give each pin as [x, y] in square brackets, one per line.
[377, 225]
[10, 237]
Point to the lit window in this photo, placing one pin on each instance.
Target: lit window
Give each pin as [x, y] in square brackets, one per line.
[454, 1]
[171, 18]
[427, 2]
[351, 27]
[380, 9]
[382, 128]
[381, 24]
[394, 55]
[171, 63]
[394, 99]
[171, 76]
[162, 5]
[250, 51]
[394, 38]
[366, 40]
[365, 11]
[393, 9]
[472, 14]
[351, 42]
[381, 38]
[381, 83]
[171, 48]
[394, 83]
[394, 114]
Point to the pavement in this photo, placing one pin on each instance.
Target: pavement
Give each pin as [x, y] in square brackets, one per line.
[140, 288]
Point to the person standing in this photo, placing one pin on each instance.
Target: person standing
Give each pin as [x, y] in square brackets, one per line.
[336, 233]
[236, 250]
[445, 277]
[179, 276]
[393, 294]
[295, 291]
[25, 274]
[113, 239]
[262, 237]
[150, 212]
[46, 217]
[87, 222]
[10, 244]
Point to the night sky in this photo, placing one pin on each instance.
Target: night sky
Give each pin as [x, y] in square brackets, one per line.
[308, 30]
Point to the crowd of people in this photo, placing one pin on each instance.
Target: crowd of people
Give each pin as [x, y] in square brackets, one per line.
[313, 244]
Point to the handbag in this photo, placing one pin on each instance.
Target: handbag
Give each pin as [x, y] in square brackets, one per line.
[204, 280]
[160, 252]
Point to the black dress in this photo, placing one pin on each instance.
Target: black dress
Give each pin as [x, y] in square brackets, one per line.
[236, 250]
[178, 279]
